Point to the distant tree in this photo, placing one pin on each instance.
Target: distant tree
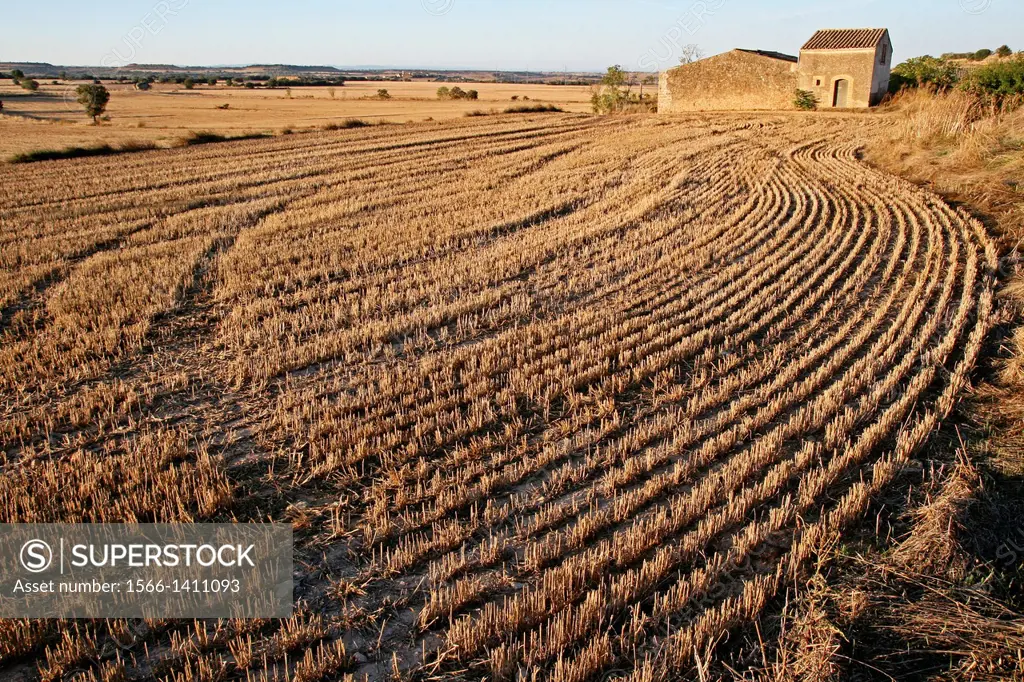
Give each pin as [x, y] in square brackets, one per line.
[94, 98]
[382, 93]
[472, 94]
[229, 82]
[805, 100]
[142, 85]
[17, 75]
[63, 75]
[331, 92]
[444, 93]
[612, 92]
[982, 55]
[1004, 51]
[250, 86]
[691, 53]
[29, 84]
[188, 83]
[211, 81]
[97, 81]
[271, 82]
[458, 93]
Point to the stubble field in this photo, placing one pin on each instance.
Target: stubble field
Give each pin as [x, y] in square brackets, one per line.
[557, 398]
[53, 119]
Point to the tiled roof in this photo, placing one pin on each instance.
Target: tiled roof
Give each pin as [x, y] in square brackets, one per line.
[846, 39]
[773, 55]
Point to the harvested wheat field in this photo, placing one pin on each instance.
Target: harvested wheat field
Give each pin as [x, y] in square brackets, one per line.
[558, 398]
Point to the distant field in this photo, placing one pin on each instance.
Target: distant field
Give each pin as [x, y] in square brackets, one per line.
[558, 398]
[51, 119]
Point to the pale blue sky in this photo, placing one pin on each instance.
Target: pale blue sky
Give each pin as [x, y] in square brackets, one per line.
[486, 34]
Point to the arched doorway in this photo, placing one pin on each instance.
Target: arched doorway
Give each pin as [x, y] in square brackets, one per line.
[840, 98]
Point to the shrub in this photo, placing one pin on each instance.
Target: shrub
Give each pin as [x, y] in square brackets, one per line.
[207, 137]
[997, 81]
[922, 71]
[346, 124]
[533, 109]
[142, 85]
[383, 94]
[94, 98]
[805, 100]
[1004, 51]
[189, 83]
[981, 55]
[211, 81]
[79, 152]
[444, 93]
[472, 94]
[29, 84]
[17, 75]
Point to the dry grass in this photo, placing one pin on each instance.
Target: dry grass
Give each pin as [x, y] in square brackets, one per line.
[546, 396]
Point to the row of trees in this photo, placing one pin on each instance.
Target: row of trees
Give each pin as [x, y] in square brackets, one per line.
[981, 55]
[445, 93]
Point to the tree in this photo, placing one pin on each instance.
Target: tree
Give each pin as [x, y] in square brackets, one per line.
[29, 84]
[94, 98]
[63, 75]
[805, 100]
[189, 83]
[383, 94]
[17, 75]
[1004, 51]
[691, 53]
[211, 81]
[472, 94]
[610, 95]
[982, 55]
[444, 93]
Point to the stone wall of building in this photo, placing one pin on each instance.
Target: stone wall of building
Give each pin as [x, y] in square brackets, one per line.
[868, 77]
[736, 80]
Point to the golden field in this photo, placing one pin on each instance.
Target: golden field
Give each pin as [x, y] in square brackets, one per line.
[52, 119]
[553, 397]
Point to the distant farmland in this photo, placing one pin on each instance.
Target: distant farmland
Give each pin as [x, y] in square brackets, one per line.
[553, 397]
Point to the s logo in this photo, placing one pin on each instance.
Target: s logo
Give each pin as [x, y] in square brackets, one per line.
[36, 556]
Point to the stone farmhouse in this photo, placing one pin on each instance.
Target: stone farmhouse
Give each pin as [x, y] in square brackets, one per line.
[844, 68]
